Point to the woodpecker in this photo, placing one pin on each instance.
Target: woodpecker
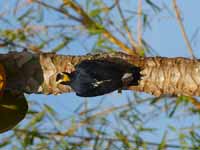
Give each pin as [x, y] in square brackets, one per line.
[99, 77]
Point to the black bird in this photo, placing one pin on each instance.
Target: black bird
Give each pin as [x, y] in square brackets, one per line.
[98, 77]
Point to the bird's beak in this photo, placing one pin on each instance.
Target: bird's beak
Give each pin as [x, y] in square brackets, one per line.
[62, 78]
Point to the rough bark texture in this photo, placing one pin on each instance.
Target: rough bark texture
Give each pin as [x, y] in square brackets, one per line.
[174, 76]
[36, 73]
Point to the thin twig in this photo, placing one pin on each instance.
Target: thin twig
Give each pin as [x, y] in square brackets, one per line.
[139, 22]
[178, 17]
[89, 119]
[119, 30]
[92, 138]
[130, 37]
[88, 22]
[113, 139]
[194, 101]
[58, 10]
[6, 42]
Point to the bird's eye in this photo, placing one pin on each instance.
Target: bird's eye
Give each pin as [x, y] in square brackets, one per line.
[59, 77]
[62, 78]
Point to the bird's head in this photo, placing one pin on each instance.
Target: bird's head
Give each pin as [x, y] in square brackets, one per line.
[63, 78]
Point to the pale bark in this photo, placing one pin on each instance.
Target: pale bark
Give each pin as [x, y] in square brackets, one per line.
[36, 73]
[173, 76]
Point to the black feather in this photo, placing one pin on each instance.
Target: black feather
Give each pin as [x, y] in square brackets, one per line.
[98, 77]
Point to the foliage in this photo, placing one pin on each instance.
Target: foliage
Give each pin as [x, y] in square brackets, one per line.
[79, 27]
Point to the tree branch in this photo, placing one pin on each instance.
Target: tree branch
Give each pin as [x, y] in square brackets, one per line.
[36, 73]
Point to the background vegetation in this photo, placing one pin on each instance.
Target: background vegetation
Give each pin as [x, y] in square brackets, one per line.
[129, 120]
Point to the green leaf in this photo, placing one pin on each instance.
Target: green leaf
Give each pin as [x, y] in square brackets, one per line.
[95, 12]
[91, 130]
[143, 129]
[3, 144]
[100, 41]
[123, 138]
[28, 140]
[172, 128]
[146, 21]
[36, 119]
[9, 34]
[173, 110]
[183, 140]
[25, 14]
[153, 5]
[21, 35]
[62, 44]
[49, 110]
[162, 144]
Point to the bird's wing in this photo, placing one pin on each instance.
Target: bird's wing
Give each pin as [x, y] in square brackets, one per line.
[101, 70]
[113, 71]
[99, 77]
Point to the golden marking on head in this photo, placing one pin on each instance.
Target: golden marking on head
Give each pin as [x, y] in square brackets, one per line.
[66, 78]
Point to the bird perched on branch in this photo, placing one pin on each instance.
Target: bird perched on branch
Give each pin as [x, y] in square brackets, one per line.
[98, 77]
